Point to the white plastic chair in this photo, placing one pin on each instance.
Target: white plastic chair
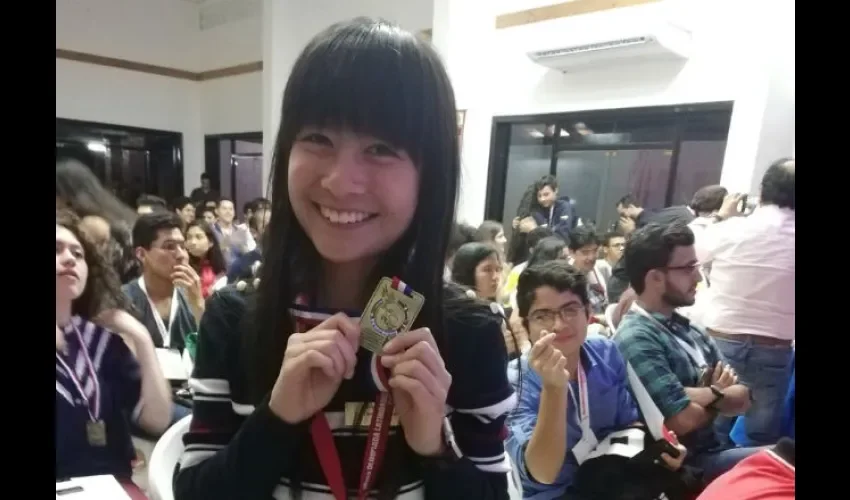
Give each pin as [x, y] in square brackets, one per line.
[164, 459]
[514, 483]
[609, 318]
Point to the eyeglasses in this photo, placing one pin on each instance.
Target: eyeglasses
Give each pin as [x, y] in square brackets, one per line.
[546, 317]
[687, 267]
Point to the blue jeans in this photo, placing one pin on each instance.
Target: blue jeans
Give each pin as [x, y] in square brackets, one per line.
[765, 370]
[716, 463]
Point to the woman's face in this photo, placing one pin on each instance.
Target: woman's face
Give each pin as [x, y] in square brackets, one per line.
[488, 274]
[353, 195]
[197, 243]
[71, 268]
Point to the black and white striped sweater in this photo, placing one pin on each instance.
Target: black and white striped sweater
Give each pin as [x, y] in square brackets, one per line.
[237, 449]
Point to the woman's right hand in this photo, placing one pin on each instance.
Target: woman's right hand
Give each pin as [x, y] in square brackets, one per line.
[314, 365]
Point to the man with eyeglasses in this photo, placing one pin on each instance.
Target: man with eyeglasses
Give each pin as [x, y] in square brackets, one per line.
[554, 428]
[167, 297]
[679, 365]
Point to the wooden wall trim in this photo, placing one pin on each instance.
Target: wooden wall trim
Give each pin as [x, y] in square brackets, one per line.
[563, 9]
[153, 69]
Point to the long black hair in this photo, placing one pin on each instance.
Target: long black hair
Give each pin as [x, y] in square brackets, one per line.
[467, 259]
[518, 246]
[214, 254]
[371, 77]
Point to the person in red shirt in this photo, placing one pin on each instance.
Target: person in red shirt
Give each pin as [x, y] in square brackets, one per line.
[767, 475]
[205, 256]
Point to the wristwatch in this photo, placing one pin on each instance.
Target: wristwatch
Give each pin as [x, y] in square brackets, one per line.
[718, 396]
[451, 452]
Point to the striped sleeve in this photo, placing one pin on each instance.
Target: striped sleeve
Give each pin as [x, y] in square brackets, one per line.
[480, 398]
[232, 450]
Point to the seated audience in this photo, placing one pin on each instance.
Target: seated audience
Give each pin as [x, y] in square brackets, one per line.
[679, 365]
[532, 238]
[491, 231]
[573, 390]
[583, 248]
[106, 367]
[184, 209]
[207, 214]
[478, 267]
[205, 257]
[547, 249]
[247, 266]
[705, 204]
[461, 234]
[613, 244]
[78, 189]
[767, 475]
[167, 298]
[235, 239]
[148, 203]
[548, 210]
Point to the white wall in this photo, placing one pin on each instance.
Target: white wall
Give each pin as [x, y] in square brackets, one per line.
[493, 77]
[165, 33]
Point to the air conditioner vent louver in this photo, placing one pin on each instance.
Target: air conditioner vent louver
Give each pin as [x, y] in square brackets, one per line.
[591, 47]
[599, 44]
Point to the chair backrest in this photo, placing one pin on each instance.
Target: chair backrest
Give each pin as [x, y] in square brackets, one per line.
[164, 459]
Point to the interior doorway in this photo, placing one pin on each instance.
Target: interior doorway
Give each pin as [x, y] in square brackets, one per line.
[234, 163]
[129, 161]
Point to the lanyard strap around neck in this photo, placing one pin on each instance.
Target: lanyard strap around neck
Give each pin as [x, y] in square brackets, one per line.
[693, 351]
[582, 404]
[164, 331]
[93, 405]
[376, 442]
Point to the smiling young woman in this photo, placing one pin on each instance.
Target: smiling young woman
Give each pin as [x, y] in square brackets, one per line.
[365, 177]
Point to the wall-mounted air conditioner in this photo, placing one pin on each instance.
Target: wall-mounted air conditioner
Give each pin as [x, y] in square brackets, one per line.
[633, 44]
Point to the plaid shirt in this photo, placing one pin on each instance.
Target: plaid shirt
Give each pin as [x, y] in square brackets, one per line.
[664, 367]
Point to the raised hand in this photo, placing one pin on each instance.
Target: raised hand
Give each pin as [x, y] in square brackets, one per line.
[420, 384]
[314, 365]
[549, 363]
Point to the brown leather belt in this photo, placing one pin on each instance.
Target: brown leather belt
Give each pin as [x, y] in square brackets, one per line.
[756, 339]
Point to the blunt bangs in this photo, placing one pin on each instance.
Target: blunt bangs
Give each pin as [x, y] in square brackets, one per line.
[369, 77]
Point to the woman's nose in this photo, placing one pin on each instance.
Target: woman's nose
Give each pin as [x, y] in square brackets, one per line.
[346, 177]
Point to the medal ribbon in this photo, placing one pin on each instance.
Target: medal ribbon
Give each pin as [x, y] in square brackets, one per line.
[379, 427]
[93, 405]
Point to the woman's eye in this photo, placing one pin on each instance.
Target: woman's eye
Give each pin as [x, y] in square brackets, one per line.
[381, 150]
[316, 138]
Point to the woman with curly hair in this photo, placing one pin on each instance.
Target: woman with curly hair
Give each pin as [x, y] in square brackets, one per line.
[106, 366]
[78, 189]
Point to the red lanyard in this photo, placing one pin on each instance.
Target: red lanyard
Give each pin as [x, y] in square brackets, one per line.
[373, 455]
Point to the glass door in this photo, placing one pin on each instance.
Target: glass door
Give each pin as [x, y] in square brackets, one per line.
[529, 159]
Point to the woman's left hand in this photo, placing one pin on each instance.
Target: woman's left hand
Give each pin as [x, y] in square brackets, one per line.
[420, 384]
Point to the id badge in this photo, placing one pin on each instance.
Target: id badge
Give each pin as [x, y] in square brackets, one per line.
[583, 448]
[390, 312]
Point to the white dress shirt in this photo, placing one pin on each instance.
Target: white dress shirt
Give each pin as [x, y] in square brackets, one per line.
[752, 274]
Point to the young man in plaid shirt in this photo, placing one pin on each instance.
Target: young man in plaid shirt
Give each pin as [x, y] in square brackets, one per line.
[678, 364]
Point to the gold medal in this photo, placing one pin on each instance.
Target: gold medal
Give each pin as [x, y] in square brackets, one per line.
[391, 311]
[96, 433]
